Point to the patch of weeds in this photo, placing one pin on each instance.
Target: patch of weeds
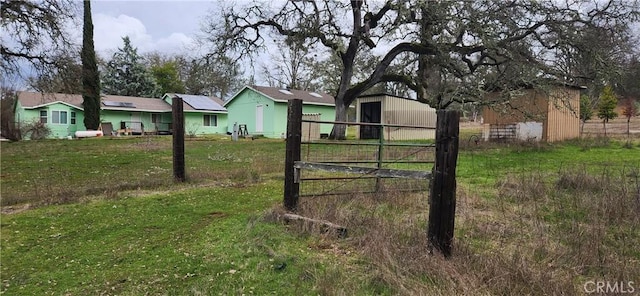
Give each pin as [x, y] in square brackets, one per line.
[223, 156]
[593, 142]
[526, 187]
[578, 179]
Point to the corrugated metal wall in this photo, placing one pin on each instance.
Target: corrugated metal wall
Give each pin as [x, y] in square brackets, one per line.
[558, 112]
[564, 114]
[403, 112]
[531, 106]
[408, 112]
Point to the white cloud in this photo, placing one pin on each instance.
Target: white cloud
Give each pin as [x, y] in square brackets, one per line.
[109, 30]
[174, 43]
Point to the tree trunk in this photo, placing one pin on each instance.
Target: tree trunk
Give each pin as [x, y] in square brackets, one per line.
[339, 131]
[604, 124]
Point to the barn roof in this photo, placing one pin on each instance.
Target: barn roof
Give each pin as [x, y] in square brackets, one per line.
[530, 85]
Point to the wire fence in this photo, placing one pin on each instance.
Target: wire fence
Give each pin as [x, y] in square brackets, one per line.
[362, 164]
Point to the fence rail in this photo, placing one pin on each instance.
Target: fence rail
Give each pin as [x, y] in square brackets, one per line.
[378, 161]
[332, 164]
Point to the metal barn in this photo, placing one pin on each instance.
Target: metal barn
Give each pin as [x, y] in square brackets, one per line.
[389, 109]
[537, 115]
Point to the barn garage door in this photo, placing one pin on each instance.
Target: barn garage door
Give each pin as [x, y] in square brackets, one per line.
[370, 113]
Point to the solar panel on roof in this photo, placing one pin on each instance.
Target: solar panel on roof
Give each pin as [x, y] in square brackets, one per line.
[111, 103]
[201, 102]
[118, 104]
[286, 92]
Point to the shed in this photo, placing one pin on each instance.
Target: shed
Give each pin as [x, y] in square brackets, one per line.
[263, 110]
[548, 115]
[390, 109]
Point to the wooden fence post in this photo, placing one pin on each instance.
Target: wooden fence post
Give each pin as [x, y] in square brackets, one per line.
[178, 139]
[294, 139]
[443, 184]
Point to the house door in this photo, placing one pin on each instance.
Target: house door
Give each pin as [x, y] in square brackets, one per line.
[370, 113]
[259, 118]
[136, 123]
[135, 117]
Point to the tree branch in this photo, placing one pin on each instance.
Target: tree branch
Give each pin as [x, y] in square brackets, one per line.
[353, 92]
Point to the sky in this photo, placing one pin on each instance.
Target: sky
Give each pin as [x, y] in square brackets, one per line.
[164, 26]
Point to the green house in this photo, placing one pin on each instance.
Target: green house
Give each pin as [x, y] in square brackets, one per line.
[134, 115]
[120, 115]
[202, 114]
[263, 110]
[62, 113]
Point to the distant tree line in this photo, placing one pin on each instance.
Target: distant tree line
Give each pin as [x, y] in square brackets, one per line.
[129, 73]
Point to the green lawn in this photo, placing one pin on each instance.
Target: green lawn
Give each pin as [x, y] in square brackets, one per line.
[105, 217]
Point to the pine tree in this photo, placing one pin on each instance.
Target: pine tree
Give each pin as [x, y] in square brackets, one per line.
[126, 75]
[586, 110]
[90, 74]
[606, 107]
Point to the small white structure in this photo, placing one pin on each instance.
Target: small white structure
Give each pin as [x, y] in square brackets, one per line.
[523, 131]
[88, 134]
[389, 109]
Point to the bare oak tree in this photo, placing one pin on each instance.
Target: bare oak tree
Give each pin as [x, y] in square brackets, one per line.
[36, 33]
[464, 47]
[289, 65]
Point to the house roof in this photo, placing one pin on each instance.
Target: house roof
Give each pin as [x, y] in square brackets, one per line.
[200, 102]
[284, 95]
[32, 100]
[125, 103]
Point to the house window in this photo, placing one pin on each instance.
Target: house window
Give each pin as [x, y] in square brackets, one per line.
[156, 118]
[59, 117]
[210, 120]
[43, 116]
[73, 117]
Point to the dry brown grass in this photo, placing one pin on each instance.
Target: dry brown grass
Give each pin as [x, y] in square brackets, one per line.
[616, 128]
[541, 235]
